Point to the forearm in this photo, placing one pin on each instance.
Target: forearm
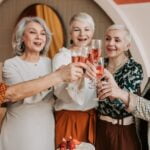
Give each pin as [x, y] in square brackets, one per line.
[129, 99]
[142, 109]
[29, 88]
[137, 105]
[124, 96]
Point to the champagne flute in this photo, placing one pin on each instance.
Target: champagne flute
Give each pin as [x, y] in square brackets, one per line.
[94, 54]
[84, 54]
[75, 54]
[99, 65]
[100, 68]
[80, 55]
[95, 50]
[99, 73]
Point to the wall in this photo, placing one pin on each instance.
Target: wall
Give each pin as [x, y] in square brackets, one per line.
[137, 12]
[140, 25]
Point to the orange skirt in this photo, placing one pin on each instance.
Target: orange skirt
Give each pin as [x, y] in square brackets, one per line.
[80, 125]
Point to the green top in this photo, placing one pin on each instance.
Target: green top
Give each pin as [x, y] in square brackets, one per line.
[129, 78]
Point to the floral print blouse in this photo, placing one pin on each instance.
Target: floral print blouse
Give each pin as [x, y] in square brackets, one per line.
[129, 78]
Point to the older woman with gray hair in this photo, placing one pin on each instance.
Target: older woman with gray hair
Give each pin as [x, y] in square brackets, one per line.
[29, 123]
[75, 104]
[115, 125]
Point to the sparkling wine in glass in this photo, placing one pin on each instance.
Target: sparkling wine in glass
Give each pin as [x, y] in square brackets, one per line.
[99, 72]
[100, 67]
[75, 56]
[84, 54]
[95, 50]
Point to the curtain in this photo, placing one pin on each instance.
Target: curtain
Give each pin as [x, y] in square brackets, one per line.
[55, 27]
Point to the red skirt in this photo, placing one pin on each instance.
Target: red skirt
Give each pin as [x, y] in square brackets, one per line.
[80, 125]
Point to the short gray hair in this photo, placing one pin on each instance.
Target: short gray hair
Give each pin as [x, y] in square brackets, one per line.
[17, 43]
[121, 27]
[83, 17]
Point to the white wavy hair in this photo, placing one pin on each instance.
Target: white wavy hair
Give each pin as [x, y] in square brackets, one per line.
[17, 43]
[121, 27]
[83, 17]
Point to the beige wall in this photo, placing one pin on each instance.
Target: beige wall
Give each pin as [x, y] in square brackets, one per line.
[11, 9]
[140, 25]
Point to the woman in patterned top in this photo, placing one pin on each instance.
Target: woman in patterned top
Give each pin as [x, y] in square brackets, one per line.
[114, 124]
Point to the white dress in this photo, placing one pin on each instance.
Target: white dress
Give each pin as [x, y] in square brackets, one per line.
[28, 124]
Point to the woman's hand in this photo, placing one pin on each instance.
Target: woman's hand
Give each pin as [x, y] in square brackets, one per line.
[90, 71]
[108, 87]
[72, 72]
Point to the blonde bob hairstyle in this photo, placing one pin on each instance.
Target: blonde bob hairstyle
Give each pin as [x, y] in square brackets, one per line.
[83, 17]
[121, 27]
[18, 44]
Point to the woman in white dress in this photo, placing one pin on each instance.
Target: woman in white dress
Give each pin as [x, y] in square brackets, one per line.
[29, 123]
[74, 107]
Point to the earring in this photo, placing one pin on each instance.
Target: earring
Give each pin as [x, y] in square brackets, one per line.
[22, 46]
[71, 41]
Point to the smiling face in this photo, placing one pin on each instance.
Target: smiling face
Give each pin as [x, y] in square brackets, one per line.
[116, 43]
[81, 33]
[34, 37]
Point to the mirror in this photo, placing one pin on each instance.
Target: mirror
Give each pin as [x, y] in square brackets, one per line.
[53, 22]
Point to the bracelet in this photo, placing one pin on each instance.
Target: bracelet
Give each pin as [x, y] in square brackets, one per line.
[127, 105]
[3, 88]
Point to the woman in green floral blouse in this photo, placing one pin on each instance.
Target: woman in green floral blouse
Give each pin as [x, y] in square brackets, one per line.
[115, 126]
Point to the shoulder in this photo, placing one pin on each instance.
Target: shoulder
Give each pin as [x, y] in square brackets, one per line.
[134, 66]
[45, 59]
[12, 61]
[61, 58]
[63, 52]
[134, 70]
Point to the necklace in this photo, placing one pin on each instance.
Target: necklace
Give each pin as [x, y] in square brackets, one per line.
[113, 69]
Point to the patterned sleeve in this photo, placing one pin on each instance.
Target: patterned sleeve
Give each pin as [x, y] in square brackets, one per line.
[142, 109]
[136, 77]
[3, 88]
[133, 77]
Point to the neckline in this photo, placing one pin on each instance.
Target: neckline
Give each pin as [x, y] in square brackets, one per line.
[114, 70]
[28, 62]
